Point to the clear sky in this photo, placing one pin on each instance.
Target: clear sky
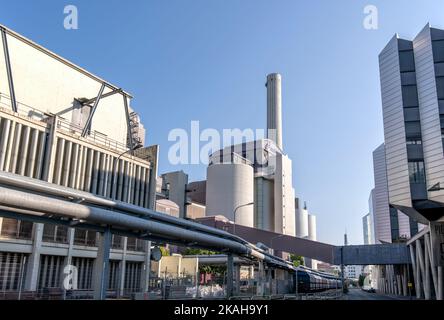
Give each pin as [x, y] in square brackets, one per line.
[207, 60]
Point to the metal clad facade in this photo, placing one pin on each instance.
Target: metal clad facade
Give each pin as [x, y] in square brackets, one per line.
[429, 112]
[394, 128]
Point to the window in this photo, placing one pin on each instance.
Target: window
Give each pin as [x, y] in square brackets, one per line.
[410, 96]
[412, 129]
[55, 234]
[411, 114]
[85, 237]
[394, 223]
[440, 87]
[406, 61]
[16, 229]
[417, 172]
[438, 50]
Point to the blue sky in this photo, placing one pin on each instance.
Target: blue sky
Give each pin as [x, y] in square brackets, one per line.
[207, 60]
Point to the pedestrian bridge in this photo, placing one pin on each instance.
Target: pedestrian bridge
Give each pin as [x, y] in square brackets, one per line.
[380, 254]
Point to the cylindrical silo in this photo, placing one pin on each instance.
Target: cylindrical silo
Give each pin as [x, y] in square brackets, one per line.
[312, 227]
[302, 223]
[274, 108]
[230, 192]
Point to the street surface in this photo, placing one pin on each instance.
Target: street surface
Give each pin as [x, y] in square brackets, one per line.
[358, 294]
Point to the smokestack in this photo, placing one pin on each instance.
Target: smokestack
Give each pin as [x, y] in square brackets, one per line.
[274, 108]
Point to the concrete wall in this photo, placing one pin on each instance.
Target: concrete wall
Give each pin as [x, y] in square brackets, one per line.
[284, 218]
[49, 83]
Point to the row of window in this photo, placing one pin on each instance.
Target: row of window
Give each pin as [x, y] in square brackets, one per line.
[17, 229]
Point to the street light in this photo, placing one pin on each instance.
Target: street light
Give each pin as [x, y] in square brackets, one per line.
[271, 241]
[235, 211]
[115, 166]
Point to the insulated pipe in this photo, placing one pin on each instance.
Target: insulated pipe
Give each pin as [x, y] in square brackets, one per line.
[61, 208]
[44, 187]
[182, 228]
[60, 191]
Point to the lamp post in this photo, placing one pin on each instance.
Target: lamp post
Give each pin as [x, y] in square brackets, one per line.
[271, 241]
[235, 211]
[116, 176]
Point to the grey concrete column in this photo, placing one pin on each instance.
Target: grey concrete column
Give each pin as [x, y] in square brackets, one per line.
[425, 279]
[440, 284]
[68, 258]
[101, 266]
[48, 169]
[122, 268]
[4, 141]
[419, 288]
[427, 288]
[404, 280]
[431, 262]
[269, 281]
[414, 266]
[260, 279]
[237, 279]
[32, 271]
[230, 274]
[146, 270]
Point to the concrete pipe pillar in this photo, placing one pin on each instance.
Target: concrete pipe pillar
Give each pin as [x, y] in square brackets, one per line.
[122, 268]
[101, 266]
[440, 284]
[146, 270]
[34, 259]
[237, 268]
[230, 274]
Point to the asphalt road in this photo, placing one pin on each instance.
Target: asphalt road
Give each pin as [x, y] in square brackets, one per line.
[358, 294]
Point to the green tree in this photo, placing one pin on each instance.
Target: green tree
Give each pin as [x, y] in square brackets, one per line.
[297, 260]
[165, 251]
[361, 280]
[197, 252]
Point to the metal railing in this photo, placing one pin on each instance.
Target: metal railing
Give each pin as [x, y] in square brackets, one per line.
[62, 124]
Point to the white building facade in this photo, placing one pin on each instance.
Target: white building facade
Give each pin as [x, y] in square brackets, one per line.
[45, 102]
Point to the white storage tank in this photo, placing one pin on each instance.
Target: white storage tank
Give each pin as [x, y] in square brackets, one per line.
[302, 222]
[230, 187]
[312, 227]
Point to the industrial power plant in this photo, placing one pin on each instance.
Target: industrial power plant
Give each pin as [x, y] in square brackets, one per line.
[85, 213]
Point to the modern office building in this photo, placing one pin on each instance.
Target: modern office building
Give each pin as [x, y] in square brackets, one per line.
[387, 224]
[412, 87]
[63, 124]
[366, 228]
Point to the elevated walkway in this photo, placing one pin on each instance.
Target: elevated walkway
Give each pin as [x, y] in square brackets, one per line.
[383, 254]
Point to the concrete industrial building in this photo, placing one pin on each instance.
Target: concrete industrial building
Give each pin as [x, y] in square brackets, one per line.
[64, 125]
[251, 183]
[188, 197]
[305, 228]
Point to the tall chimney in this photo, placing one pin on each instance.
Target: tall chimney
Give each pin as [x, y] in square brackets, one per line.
[274, 108]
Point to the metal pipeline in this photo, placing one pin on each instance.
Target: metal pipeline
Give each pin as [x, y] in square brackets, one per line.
[40, 186]
[121, 215]
[61, 208]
